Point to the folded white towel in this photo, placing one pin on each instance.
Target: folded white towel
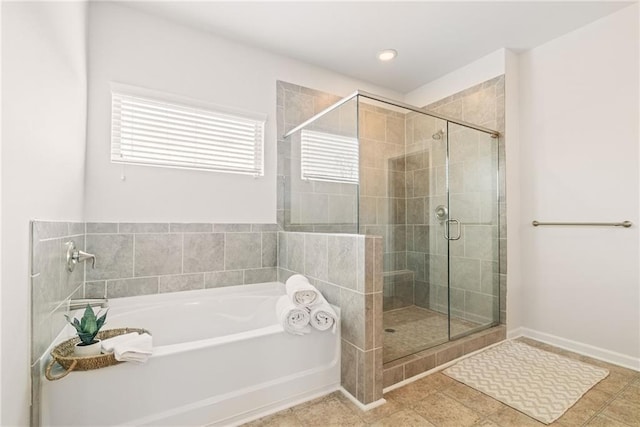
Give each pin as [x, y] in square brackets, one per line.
[301, 292]
[110, 343]
[136, 350]
[293, 319]
[323, 316]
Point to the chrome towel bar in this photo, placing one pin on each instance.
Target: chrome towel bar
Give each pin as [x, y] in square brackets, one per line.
[625, 224]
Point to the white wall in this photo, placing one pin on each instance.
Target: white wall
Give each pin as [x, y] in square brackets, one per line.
[134, 48]
[481, 70]
[43, 148]
[579, 162]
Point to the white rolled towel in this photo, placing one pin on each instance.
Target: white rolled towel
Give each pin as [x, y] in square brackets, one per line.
[293, 319]
[323, 316]
[136, 350]
[109, 344]
[301, 292]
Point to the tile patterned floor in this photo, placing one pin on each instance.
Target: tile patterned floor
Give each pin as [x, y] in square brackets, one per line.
[416, 329]
[438, 400]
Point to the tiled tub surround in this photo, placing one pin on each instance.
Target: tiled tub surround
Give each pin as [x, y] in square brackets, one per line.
[51, 286]
[148, 258]
[347, 269]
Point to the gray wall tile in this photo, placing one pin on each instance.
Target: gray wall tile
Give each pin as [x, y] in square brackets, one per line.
[265, 227]
[243, 250]
[132, 287]
[269, 249]
[142, 227]
[76, 228]
[102, 227]
[114, 256]
[50, 229]
[295, 252]
[260, 275]
[203, 252]
[181, 282]
[315, 256]
[353, 317]
[348, 371]
[343, 261]
[190, 227]
[158, 254]
[219, 279]
[282, 249]
[231, 228]
[95, 289]
[69, 281]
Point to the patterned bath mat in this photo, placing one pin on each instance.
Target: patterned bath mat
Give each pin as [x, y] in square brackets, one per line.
[540, 384]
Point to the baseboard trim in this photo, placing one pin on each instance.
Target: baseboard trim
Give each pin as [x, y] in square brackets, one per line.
[578, 347]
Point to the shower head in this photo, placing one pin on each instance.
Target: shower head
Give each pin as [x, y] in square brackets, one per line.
[438, 135]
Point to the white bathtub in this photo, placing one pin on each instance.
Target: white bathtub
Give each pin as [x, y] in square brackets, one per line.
[220, 358]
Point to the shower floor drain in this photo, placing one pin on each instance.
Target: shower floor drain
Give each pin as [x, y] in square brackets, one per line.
[390, 330]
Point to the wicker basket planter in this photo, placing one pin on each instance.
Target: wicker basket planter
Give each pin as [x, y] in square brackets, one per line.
[64, 355]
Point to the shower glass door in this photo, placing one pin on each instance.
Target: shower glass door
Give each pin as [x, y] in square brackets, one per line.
[472, 230]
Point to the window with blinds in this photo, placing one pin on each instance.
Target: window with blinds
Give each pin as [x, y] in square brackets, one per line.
[329, 157]
[156, 130]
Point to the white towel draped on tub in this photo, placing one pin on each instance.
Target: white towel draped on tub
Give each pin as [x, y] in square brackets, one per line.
[301, 292]
[131, 347]
[293, 319]
[323, 316]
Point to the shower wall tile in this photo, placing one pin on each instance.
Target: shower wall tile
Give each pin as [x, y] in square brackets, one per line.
[471, 200]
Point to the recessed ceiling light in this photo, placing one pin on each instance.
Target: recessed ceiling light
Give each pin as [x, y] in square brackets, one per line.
[387, 54]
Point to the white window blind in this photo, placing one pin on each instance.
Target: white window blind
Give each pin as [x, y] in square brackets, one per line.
[329, 157]
[150, 130]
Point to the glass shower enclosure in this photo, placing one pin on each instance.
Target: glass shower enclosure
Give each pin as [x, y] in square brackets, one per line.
[428, 185]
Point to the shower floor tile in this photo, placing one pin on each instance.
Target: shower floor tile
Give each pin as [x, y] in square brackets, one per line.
[412, 329]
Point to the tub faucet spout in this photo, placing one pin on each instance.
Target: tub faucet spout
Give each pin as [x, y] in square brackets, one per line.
[75, 304]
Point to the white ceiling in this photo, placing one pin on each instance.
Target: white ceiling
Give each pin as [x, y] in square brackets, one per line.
[432, 38]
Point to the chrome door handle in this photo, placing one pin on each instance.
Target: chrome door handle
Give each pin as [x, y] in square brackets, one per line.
[446, 230]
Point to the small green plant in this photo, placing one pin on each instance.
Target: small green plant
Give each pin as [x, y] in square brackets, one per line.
[88, 326]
